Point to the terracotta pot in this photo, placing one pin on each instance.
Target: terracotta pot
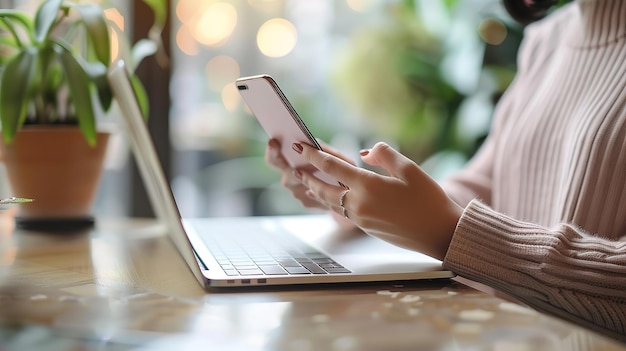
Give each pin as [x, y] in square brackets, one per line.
[57, 168]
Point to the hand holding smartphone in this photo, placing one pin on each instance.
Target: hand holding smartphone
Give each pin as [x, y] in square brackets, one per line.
[278, 118]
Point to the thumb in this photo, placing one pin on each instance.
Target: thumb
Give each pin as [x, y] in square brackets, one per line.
[383, 155]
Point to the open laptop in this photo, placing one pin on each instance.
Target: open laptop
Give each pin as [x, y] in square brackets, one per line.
[316, 254]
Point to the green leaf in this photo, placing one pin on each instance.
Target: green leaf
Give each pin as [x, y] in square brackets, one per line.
[98, 74]
[97, 29]
[7, 41]
[450, 4]
[80, 90]
[19, 17]
[45, 18]
[159, 7]
[9, 16]
[141, 95]
[142, 49]
[15, 200]
[14, 87]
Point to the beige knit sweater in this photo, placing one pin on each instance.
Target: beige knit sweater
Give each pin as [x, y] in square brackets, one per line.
[545, 197]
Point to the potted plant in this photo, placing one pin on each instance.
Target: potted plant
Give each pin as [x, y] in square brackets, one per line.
[53, 84]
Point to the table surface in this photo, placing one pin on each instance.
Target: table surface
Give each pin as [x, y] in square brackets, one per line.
[123, 286]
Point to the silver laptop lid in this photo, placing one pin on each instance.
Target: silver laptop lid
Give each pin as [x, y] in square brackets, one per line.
[158, 189]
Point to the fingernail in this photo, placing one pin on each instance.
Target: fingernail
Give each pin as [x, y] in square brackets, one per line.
[297, 148]
[297, 174]
[364, 152]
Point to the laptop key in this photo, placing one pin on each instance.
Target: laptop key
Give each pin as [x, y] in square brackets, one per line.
[265, 262]
[273, 270]
[297, 255]
[332, 264]
[255, 271]
[297, 270]
[244, 266]
[288, 263]
[313, 268]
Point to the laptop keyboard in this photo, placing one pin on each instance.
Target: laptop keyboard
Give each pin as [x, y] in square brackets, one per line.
[265, 253]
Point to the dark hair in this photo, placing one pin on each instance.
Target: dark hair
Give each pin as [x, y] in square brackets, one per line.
[527, 11]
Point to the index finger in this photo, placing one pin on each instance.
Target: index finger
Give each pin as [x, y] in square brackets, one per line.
[333, 166]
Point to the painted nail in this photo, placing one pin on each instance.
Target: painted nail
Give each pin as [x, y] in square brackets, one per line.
[297, 148]
[364, 152]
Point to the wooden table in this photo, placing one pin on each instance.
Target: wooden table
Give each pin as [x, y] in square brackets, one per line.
[123, 286]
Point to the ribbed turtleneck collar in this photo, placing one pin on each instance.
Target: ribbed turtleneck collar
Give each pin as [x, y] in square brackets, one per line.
[600, 22]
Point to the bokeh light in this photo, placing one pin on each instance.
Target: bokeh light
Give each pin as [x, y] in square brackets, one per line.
[113, 15]
[186, 10]
[492, 31]
[216, 24]
[185, 41]
[230, 97]
[277, 37]
[221, 71]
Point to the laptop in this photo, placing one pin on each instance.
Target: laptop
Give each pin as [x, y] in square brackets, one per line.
[282, 250]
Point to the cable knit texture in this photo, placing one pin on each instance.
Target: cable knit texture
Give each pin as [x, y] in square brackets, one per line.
[545, 197]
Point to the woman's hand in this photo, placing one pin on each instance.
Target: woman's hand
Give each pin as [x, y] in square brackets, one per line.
[274, 157]
[407, 207]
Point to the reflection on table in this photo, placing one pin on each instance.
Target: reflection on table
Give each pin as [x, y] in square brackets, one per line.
[123, 286]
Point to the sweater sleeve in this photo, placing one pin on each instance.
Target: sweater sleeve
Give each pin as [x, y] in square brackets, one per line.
[561, 270]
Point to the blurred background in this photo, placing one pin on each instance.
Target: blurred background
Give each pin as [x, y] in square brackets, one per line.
[422, 75]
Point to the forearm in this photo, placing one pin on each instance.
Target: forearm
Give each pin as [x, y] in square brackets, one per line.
[561, 268]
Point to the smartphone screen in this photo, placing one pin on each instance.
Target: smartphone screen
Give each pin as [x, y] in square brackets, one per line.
[278, 118]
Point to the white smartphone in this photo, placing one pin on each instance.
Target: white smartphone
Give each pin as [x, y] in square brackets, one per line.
[278, 118]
